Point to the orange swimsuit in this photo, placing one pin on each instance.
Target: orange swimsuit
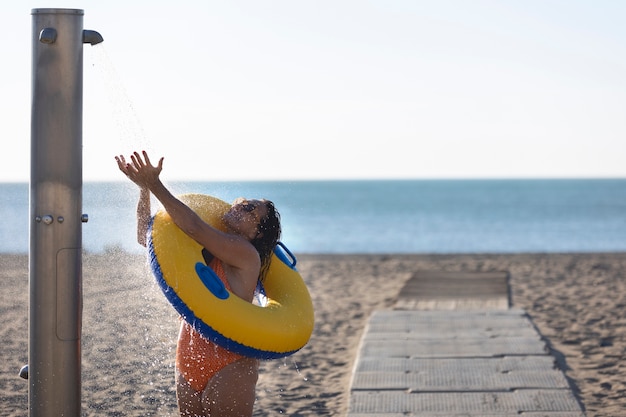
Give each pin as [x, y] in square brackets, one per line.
[197, 358]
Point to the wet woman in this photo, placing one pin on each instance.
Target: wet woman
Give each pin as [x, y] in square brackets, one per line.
[210, 380]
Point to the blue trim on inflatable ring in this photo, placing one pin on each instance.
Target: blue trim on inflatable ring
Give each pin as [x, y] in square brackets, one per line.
[285, 255]
[204, 329]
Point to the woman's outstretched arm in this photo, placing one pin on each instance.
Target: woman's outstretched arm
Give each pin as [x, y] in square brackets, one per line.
[234, 250]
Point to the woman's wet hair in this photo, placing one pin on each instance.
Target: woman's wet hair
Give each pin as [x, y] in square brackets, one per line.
[267, 237]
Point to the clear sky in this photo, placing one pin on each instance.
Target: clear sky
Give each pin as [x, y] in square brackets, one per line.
[325, 89]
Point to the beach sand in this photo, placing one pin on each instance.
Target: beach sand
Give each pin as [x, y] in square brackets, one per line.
[577, 301]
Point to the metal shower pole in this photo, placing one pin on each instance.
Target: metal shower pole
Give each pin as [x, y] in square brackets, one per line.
[55, 260]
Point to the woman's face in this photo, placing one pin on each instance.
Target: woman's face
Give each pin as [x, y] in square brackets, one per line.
[245, 216]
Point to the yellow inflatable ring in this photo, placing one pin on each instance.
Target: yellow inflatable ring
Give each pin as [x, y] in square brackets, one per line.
[278, 329]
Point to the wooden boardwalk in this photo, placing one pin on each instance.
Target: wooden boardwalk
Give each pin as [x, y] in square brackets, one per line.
[453, 347]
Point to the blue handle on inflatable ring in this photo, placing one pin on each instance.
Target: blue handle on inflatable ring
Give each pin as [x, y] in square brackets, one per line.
[285, 255]
[212, 281]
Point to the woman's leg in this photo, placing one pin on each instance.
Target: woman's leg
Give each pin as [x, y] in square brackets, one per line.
[232, 391]
[189, 400]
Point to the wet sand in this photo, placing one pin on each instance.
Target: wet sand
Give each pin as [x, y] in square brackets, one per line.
[577, 301]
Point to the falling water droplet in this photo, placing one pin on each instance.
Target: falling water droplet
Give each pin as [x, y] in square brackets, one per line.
[295, 364]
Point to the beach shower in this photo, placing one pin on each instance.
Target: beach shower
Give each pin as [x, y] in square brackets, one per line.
[55, 220]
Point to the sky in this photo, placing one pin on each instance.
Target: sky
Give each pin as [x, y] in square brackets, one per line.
[338, 89]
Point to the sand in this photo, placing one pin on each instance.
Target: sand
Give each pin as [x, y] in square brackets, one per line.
[577, 301]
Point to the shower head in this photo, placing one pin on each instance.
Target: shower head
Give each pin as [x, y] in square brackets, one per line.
[92, 37]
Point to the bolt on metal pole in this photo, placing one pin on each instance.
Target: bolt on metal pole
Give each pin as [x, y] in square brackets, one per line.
[55, 260]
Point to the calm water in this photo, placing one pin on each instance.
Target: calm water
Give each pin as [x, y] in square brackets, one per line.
[440, 216]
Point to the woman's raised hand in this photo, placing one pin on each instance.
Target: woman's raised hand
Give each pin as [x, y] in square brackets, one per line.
[140, 170]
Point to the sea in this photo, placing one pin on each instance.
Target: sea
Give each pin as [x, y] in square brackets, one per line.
[381, 216]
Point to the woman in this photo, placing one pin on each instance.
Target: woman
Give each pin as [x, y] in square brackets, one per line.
[210, 380]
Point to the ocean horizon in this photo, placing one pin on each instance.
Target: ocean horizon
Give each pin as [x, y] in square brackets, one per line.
[377, 216]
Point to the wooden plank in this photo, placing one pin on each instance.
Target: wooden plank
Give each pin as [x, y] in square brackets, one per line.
[425, 324]
[502, 364]
[471, 403]
[458, 380]
[443, 290]
[441, 348]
